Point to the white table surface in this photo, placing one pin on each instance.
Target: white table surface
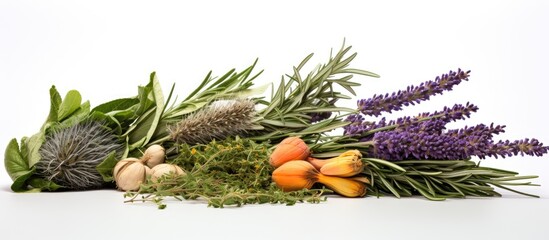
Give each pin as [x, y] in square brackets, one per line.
[101, 214]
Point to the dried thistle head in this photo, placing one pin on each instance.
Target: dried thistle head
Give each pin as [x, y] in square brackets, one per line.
[220, 120]
[69, 156]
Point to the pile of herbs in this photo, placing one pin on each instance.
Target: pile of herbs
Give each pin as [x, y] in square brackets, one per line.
[405, 157]
[232, 172]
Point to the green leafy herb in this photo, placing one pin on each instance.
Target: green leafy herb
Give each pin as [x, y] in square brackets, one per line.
[440, 179]
[14, 162]
[105, 168]
[70, 103]
[290, 110]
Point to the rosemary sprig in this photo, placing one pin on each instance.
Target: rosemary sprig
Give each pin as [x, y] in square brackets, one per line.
[292, 104]
[440, 179]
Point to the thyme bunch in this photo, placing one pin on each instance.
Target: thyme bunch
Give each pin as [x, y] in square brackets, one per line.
[232, 172]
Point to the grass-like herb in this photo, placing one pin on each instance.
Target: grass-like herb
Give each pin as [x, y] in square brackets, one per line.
[440, 179]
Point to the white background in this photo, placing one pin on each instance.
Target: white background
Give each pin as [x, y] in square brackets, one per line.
[105, 49]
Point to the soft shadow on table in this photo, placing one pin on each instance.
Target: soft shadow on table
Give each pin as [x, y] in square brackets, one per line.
[5, 188]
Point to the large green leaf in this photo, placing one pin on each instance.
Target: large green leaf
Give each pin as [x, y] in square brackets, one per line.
[77, 116]
[43, 184]
[70, 104]
[146, 125]
[159, 100]
[146, 99]
[139, 130]
[107, 121]
[16, 165]
[20, 184]
[116, 105]
[32, 146]
[106, 167]
[55, 101]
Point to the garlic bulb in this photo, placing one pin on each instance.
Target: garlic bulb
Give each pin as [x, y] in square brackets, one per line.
[154, 155]
[165, 168]
[130, 173]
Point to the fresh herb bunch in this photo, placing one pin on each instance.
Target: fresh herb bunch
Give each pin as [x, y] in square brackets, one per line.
[417, 155]
[425, 136]
[232, 172]
[440, 179]
[406, 156]
[303, 105]
[69, 150]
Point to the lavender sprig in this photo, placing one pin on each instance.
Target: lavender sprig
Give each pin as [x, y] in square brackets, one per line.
[364, 130]
[413, 94]
[456, 144]
[531, 147]
[480, 130]
[397, 145]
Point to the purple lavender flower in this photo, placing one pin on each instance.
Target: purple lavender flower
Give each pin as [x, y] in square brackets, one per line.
[458, 112]
[432, 126]
[317, 117]
[412, 95]
[455, 144]
[531, 147]
[357, 125]
[395, 146]
[478, 130]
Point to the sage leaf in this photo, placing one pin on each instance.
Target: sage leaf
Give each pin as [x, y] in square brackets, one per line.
[43, 184]
[15, 164]
[145, 99]
[140, 129]
[55, 101]
[20, 183]
[32, 147]
[159, 99]
[70, 103]
[77, 116]
[106, 167]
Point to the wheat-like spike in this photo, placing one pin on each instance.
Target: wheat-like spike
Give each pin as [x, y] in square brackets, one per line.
[69, 156]
[220, 120]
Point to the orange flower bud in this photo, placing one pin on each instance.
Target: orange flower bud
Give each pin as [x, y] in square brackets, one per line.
[291, 148]
[295, 175]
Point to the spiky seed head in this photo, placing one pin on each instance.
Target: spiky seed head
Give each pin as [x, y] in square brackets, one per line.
[219, 120]
[69, 156]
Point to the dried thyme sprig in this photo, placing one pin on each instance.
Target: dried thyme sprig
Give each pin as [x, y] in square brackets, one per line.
[232, 172]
